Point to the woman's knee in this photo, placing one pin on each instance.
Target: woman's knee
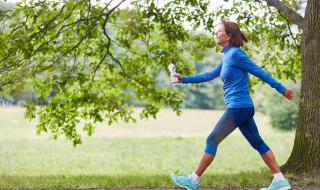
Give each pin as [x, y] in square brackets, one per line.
[263, 148]
[212, 144]
[212, 139]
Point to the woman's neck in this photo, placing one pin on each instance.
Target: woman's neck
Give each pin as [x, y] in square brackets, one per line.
[224, 45]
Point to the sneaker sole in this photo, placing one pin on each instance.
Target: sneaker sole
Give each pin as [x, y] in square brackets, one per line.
[282, 188]
[285, 188]
[179, 184]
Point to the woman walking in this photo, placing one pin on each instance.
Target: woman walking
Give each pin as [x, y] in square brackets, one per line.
[233, 70]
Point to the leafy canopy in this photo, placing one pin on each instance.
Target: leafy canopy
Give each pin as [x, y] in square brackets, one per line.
[92, 59]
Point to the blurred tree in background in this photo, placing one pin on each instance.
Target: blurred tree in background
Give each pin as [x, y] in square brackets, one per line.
[283, 114]
[207, 95]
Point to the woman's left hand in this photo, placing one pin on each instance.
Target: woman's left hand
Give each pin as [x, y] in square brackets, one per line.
[288, 94]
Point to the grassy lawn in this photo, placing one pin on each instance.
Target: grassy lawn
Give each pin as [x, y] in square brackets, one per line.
[132, 155]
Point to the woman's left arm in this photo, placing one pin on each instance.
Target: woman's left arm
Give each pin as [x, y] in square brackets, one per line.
[248, 65]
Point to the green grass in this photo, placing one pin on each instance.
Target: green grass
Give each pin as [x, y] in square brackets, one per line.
[132, 155]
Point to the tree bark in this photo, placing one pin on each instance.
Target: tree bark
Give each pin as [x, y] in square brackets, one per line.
[305, 156]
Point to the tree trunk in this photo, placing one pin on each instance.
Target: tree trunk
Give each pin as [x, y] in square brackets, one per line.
[305, 156]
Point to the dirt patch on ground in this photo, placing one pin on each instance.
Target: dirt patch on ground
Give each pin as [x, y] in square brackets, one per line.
[307, 187]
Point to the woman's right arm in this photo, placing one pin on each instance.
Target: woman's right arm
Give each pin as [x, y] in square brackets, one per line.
[204, 77]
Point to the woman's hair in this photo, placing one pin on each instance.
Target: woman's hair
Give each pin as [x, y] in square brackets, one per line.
[232, 29]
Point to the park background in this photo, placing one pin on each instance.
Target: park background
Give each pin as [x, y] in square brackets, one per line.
[144, 154]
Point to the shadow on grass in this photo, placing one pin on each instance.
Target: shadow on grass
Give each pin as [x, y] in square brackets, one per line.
[243, 179]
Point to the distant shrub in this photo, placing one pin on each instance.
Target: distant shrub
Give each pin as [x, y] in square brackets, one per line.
[283, 113]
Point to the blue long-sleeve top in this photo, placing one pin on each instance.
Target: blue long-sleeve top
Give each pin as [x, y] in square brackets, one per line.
[233, 70]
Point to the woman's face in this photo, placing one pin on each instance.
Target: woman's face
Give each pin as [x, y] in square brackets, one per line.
[222, 38]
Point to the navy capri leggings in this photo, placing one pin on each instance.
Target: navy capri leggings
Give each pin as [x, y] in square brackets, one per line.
[230, 120]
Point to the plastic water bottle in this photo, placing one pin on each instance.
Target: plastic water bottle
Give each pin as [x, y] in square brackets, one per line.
[172, 70]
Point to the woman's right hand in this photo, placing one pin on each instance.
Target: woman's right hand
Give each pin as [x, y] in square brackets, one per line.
[180, 77]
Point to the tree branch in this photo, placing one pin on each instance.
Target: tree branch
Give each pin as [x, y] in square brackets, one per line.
[109, 12]
[109, 39]
[288, 25]
[44, 29]
[289, 13]
[98, 65]
[291, 34]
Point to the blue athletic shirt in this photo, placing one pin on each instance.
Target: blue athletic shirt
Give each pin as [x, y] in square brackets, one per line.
[233, 70]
